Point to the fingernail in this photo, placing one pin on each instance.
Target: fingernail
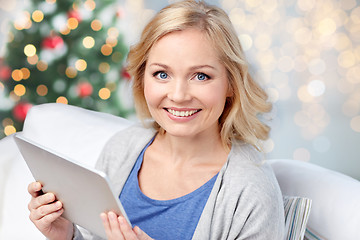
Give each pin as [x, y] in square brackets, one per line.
[137, 231]
[103, 217]
[58, 204]
[121, 220]
[112, 215]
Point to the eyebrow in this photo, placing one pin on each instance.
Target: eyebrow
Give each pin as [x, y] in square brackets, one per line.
[192, 68]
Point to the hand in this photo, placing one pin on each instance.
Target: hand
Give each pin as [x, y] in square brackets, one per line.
[45, 213]
[117, 228]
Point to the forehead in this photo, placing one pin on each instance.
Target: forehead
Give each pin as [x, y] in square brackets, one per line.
[187, 44]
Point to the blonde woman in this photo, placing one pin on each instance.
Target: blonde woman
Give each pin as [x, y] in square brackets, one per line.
[194, 171]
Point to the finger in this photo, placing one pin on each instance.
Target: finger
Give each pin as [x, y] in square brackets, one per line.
[106, 223]
[34, 189]
[45, 210]
[48, 219]
[126, 229]
[141, 235]
[114, 223]
[111, 225]
[41, 200]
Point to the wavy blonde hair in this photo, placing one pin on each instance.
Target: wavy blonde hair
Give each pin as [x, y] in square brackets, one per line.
[239, 119]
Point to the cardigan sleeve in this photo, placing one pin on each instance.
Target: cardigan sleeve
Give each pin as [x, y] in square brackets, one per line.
[264, 216]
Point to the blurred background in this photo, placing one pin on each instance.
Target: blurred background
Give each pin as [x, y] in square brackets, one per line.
[305, 53]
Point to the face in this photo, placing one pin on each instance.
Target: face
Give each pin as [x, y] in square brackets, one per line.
[185, 84]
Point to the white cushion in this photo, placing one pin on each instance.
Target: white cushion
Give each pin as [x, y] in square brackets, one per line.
[56, 125]
[335, 197]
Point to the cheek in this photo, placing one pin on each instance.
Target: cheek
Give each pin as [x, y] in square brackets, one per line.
[152, 94]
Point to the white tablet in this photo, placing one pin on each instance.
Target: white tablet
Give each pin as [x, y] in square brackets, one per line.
[84, 192]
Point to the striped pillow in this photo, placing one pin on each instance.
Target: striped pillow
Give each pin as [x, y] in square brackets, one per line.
[297, 210]
[311, 235]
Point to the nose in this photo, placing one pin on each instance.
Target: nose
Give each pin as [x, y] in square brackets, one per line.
[179, 91]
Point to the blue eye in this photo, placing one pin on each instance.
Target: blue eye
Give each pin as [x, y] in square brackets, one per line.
[202, 76]
[161, 75]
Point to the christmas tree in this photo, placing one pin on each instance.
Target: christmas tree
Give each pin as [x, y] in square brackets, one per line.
[65, 51]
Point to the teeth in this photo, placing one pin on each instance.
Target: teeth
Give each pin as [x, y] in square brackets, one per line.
[182, 113]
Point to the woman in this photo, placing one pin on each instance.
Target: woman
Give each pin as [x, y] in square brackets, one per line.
[194, 172]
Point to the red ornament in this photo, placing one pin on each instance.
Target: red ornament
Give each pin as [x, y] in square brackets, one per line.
[84, 89]
[5, 72]
[52, 42]
[74, 14]
[125, 74]
[20, 111]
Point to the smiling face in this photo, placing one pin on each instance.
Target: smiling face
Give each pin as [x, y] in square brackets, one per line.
[185, 85]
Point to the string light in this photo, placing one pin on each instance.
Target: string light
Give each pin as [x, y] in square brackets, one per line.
[37, 16]
[65, 31]
[104, 93]
[42, 66]
[62, 100]
[8, 130]
[33, 59]
[88, 42]
[71, 72]
[106, 49]
[81, 65]
[19, 90]
[26, 73]
[30, 50]
[90, 4]
[17, 75]
[96, 25]
[72, 23]
[42, 90]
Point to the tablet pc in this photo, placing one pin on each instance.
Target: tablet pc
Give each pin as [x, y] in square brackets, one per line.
[84, 192]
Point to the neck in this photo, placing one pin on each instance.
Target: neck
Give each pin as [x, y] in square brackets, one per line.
[195, 150]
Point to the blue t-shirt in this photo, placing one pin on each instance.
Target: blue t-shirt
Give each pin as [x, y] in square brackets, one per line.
[163, 219]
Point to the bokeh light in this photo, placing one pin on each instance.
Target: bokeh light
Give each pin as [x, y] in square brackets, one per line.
[19, 90]
[62, 100]
[42, 66]
[30, 50]
[81, 65]
[37, 16]
[104, 93]
[17, 75]
[71, 72]
[96, 25]
[41, 90]
[106, 49]
[88, 42]
[90, 4]
[25, 72]
[33, 59]
[72, 23]
[8, 130]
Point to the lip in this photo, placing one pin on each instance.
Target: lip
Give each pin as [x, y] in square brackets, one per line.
[182, 118]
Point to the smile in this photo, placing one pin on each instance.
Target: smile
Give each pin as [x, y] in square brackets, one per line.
[182, 113]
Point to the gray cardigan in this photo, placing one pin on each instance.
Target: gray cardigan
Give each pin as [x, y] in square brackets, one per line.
[245, 202]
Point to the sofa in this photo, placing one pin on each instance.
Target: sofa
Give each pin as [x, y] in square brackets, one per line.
[81, 134]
